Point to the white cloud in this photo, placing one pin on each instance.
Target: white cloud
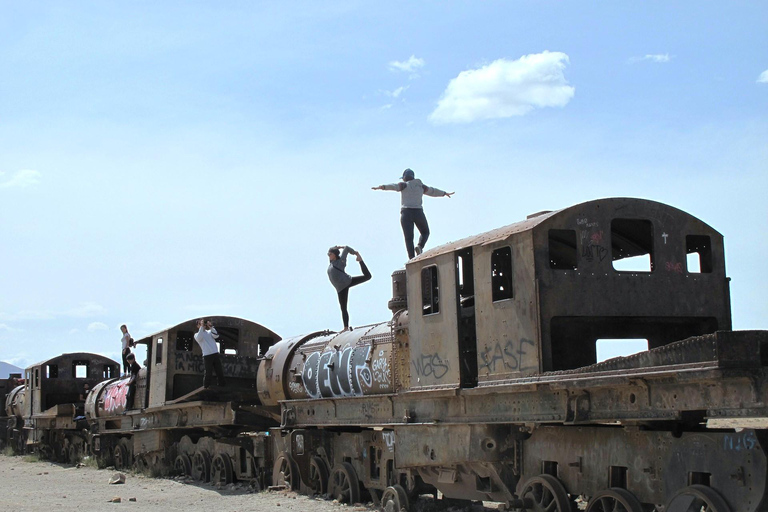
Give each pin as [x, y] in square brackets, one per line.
[397, 92]
[8, 328]
[20, 179]
[411, 65]
[87, 309]
[505, 88]
[763, 78]
[97, 326]
[658, 57]
[72, 332]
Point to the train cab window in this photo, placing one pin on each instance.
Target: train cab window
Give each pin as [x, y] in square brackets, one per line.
[698, 250]
[37, 378]
[109, 371]
[430, 291]
[159, 351]
[184, 341]
[51, 371]
[610, 348]
[562, 249]
[501, 274]
[632, 245]
[228, 340]
[80, 369]
[264, 343]
[465, 280]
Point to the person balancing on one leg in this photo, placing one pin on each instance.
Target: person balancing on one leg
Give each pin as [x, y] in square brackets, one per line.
[343, 281]
[411, 212]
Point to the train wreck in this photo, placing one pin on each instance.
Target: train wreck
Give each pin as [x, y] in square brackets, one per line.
[484, 385]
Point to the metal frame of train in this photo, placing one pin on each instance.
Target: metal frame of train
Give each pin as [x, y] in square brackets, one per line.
[484, 385]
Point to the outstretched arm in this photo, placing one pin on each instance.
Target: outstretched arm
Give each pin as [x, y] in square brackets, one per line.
[395, 187]
[436, 192]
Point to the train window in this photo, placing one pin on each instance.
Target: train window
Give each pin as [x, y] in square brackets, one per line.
[430, 291]
[562, 249]
[501, 274]
[184, 340]
[51, 371]
[80, 369]
[465, 278]
[610, 348]
[227, 340]
[632, 245]
[159, 351]
[109, 371]
[37, 378]
[698, 249]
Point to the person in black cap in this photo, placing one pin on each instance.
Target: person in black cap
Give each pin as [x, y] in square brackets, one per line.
[133, 371]
[343, 281]
[411, 211]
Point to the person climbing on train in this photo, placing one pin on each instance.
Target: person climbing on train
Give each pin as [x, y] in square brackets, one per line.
[411, 210]
[206, 338]
[343, 281]
[133, 371]
[127, 343]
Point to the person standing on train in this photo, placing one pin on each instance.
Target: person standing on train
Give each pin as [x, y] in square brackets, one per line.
[206, 337]
[343, 281]
[127, 343]
[133, 371]
[411, 210]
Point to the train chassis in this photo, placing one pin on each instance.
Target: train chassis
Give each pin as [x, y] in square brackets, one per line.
[606, 468]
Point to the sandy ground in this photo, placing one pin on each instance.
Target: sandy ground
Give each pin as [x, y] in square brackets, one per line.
[45, 486]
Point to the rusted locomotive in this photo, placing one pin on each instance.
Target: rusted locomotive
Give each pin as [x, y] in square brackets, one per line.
[13, 381]
[486, 385]
[174, 423]
[45, 414]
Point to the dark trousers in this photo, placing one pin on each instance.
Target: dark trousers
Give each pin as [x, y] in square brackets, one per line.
[213, 363]
[125, 361]
[129, 395]
[408, 218]
[344, 294]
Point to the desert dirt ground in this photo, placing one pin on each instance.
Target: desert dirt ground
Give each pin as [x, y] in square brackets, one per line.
[27, 485]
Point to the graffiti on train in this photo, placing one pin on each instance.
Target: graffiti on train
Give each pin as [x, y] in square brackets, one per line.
[115, 396]
[193, 363]
[338, 373]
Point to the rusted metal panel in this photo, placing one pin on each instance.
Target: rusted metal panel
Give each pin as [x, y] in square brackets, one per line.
[433, 337]
[507, 330]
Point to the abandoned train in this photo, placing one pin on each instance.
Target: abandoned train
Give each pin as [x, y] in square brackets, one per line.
[484, 385]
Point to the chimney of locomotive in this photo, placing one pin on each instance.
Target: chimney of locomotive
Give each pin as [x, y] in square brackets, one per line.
[399, 298]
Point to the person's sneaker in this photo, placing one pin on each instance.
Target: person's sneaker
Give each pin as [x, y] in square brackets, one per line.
[417, 250]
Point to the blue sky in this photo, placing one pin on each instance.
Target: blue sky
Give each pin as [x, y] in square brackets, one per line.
[165, 160]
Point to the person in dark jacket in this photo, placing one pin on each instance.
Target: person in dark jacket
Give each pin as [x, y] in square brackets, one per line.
[133, 371]
[343, 281]
[411, 211]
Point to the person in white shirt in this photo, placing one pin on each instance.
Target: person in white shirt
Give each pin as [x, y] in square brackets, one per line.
[206, 337]
[127, 343]
[411, 210]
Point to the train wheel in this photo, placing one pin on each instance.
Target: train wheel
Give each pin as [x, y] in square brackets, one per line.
[318, 476]
[697, 498]
[121, 456]
[545, 493]
[344, 485]
[201, 466]
[285, 472]
[183, 465]
[614, 500]
[395, 499]
[221, 469]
